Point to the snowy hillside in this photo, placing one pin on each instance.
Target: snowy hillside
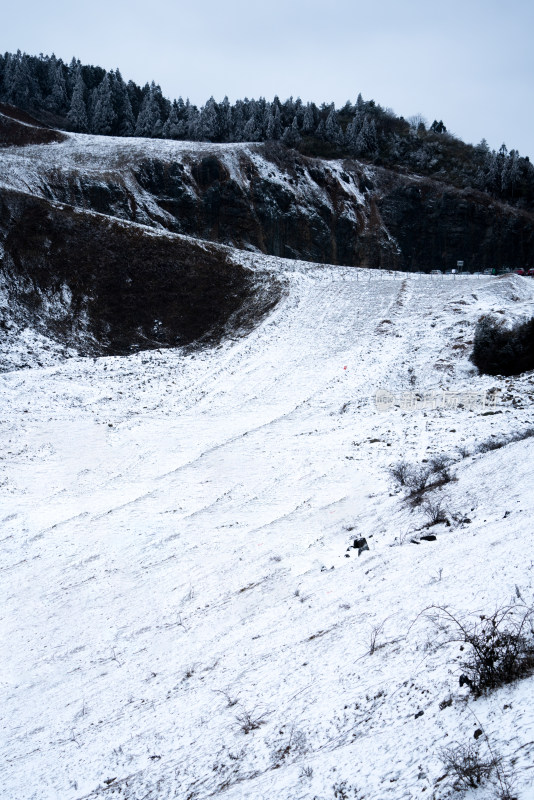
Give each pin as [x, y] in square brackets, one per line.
[180, 615]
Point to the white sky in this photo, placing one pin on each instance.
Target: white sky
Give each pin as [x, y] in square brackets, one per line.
[468, 62]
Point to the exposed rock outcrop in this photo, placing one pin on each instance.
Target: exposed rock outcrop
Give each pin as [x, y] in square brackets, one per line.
[276, 201]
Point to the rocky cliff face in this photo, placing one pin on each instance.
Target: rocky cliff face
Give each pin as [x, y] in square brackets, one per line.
[336, 212]
[273, 200]
[435, 225]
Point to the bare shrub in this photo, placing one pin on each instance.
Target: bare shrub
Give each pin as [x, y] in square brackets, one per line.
[230, 701]
[439, 463]
[500, 645]
[346, 791]
[376, 632]
[435, 512]
[420, 479]
[466, 766]
[520, 435]
[463, 451]
[250, 721]
[296, 745]
[400, 472]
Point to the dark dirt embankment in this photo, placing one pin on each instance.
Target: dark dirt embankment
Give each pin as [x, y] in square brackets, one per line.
[18, 128]
[105, 286]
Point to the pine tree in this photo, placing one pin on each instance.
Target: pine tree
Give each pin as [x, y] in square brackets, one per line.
[125, 124]
[77, 116]
[238, 121]
[2, 68]
[208, 125]
[291, 134]
[103, 116]
[308, 122]
[20, 86]
[252, 131]
[56, 100]
[333, 130]
[492, 171]
[273, 130]
[149, 122]
[320, 131]
[192, 121]
[367, 143]
[136, 96]
[174, 127]
[351, 135]
[515, 170]
[372, 139]
[225, 120]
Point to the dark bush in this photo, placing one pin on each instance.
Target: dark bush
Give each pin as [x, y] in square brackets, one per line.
[496, 442]
[498, 350]
[500, 647]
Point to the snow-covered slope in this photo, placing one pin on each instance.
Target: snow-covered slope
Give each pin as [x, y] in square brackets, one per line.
[174, 554]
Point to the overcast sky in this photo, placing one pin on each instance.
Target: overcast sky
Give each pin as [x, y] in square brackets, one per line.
[467, 62]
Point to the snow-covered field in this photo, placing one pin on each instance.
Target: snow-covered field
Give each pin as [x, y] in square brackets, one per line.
[174, 555]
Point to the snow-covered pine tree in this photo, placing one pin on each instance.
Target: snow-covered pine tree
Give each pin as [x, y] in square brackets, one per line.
[149, 121]
[208, 124]
[367, 141]
[125, 125]
[238, 122]
[333, 130]
[308, 122]
[225, 120]
[291, 135]
[515, 170]
[274, 125]
[492, 172]
[351, 135]
[320, 131]
[77, 115]
[136, 96]
[192, 117]
[174, 127]
[104, 117]
[250, 131]
[20, 86]
[2, 67]
[372, 139]
[56, 100]
[253, 129]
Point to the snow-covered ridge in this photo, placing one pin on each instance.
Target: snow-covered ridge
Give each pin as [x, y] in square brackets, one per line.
[174, 539]
[38, 169]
